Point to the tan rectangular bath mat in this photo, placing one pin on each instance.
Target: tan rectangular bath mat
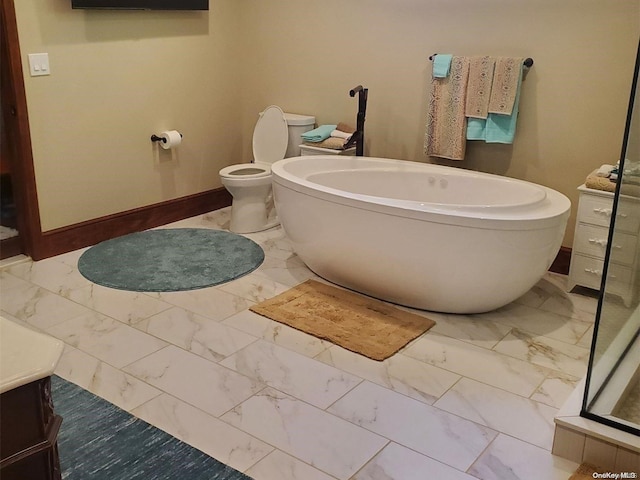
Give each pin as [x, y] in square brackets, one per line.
[355, 322]
[586, 471]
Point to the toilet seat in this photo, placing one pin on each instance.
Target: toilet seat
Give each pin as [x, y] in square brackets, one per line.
[246, 170]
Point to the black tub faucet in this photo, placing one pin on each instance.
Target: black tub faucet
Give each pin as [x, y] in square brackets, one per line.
[358, 136]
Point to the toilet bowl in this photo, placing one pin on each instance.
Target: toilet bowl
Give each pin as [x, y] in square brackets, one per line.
[276, 136]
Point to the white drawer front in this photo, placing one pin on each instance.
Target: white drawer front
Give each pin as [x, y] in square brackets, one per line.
[628, 216]
[595, 210]
[592, 240]
[624, 249]
[587, 271]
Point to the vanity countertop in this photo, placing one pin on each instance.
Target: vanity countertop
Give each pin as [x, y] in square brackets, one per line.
[25, 355]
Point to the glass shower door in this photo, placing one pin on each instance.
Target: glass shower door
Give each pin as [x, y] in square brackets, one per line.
[612, 393]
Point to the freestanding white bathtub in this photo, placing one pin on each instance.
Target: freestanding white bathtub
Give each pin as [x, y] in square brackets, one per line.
[426, 236]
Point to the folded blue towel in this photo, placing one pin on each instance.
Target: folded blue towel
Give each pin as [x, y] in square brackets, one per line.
[441, 65]
[497, 128]
[319, 134]
[476, 128]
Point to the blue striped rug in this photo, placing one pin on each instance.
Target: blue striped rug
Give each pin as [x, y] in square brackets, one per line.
[99, 441]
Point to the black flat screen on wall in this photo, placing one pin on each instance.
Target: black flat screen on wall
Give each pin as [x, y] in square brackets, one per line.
[142, 4]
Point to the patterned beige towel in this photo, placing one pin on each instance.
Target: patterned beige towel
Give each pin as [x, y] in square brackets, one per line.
[479, 86]
[505, 84]
[446, 123]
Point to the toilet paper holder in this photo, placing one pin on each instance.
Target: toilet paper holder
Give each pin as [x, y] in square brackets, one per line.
[156, 138]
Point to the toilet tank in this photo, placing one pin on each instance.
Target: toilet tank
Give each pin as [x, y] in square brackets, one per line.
[297, 125]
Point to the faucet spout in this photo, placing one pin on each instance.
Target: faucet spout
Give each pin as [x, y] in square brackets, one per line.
[355, 90]
[358, 136]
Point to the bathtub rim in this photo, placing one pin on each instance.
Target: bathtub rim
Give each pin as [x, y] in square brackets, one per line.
[548, 213]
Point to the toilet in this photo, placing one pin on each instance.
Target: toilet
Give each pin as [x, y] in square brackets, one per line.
[277, 135]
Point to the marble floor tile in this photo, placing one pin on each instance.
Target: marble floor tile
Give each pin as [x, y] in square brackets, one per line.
[328, 443]
[106, 339]
[199, 382]
[571, 305]
[280, 466]
[555, 389]
[400, 373]
[290, 271]
[217, 220]
[478, 363]
[104, 380]
[540, 322]
[433, 432]
[196, 334]
[546, 352]
[125, 306]
[294, 374]
[472, 398]
[552, 291]
[278, 333]
[254, 287]
[208, 434]
[10, 282]
[508, 458]
[502, 411]
[71, 258]
[208, 302]
[477, 331]
[55, 276]
[39, 307]
[587, 338]
[396, 462]
[274, 242]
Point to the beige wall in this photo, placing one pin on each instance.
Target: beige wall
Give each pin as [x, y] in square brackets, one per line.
[307, 55]
[116, 78]
[112, 71]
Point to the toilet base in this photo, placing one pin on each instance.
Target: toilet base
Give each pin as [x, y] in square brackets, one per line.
[251, 215]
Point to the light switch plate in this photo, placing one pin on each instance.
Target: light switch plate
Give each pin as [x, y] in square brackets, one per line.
[39, 64]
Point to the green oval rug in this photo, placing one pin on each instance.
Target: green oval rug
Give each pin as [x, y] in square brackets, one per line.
[170, 260]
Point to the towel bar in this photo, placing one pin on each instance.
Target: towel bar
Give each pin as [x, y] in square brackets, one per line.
[528, 62]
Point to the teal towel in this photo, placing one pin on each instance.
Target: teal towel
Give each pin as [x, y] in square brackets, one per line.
[319, 134]
[476, 128]
[496, 128]
[441, 64]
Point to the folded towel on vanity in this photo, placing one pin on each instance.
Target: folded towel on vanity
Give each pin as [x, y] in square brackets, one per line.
[605, 170]
[333, 143]
[446, 122]
[340, 134]
[479, 86]
[627, 188]
[317, 135]
[441, 65]
[345, 127]
[599, 183]
[506, 83]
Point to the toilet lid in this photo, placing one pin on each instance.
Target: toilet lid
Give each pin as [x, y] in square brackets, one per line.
[271, 136]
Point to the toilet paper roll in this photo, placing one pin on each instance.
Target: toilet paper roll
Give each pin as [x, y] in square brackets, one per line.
[170, 139]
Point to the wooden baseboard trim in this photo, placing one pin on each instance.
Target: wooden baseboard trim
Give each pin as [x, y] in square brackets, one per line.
[84, 234]
[562, 261]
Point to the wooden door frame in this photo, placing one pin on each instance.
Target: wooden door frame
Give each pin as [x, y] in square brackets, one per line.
[16, 119]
